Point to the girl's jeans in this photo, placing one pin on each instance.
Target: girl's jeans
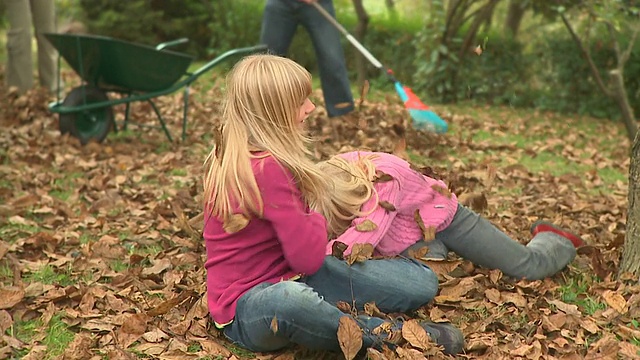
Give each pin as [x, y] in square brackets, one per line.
[279, 23]
[272, 316]
[477, 240]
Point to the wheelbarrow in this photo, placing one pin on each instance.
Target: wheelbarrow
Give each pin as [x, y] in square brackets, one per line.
[137, 72]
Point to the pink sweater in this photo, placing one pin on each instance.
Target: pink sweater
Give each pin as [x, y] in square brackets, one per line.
[409, 190]
[286, 242]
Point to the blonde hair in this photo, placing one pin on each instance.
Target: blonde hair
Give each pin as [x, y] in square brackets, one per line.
[263, 98]
[352, 187]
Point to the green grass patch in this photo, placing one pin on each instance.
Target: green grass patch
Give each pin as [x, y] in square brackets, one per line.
[58, 336]
[25, 330]
[12, 231]
[47, 274]
[194, 347]
[575, 291]
[240, 352]
[178, 172]
[6, 273]
[85, 238]
[118, 266]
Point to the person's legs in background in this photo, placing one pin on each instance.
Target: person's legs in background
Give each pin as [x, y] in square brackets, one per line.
[19, 70]
[330, 58]
[44, 21]
[279, 23]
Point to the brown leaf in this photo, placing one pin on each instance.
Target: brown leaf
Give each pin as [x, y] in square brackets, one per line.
[428, 233]
[419, 253]
[478, 50]
[133, 327]
[344, 307]
[274, 325]
[80, 347]
[442, 267]
[213, 348]
[349, 337]
[342, 105]
[4, 248]
[382, 177]
[568, 309]
[165, 306]
[475, 201]
[387, 206]
[410, 354]
[442, 190]
[337, 249]
[366, 226]
[416, 335]
[363, 93]
[371, 309]
[373, 354]
[235, 223]
[615, 301]
[10, 296]
[5, 321]
[360, 253]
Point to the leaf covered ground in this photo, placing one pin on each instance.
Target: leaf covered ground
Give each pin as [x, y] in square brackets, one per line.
[100, 256]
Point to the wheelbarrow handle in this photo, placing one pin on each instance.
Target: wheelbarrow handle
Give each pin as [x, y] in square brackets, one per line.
[172, 43]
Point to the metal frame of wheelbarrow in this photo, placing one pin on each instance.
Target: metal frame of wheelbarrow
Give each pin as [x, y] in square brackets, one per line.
[104, 104]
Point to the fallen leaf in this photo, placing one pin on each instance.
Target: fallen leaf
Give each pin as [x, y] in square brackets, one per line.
[235, 223]
[349, 337]
[615, 301]
[366, 226]
[360, 253]
[385, 205]
[10, 296]
[415, 334]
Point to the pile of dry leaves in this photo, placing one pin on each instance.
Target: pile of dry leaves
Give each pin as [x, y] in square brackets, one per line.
[120, 220]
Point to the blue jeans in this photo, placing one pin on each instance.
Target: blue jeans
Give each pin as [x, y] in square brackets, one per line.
[305, 311]
[477, 240]
[279, 23]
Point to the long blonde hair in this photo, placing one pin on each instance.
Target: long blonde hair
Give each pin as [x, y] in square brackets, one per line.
[352, 187]
[263, 98]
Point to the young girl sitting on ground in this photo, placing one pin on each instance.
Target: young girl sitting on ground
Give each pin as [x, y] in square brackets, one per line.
[382, 190]
[269, 283]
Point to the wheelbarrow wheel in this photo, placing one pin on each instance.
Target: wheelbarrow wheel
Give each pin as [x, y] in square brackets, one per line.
[87, 125]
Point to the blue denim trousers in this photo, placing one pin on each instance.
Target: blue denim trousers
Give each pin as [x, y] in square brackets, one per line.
[474, 238]
[279, 23]
[304, 312]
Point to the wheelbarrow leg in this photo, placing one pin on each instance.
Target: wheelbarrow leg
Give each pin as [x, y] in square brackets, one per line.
[185, 109]
[164, 126]
[127, 111]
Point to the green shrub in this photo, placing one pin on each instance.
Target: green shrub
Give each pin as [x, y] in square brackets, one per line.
[569, 86]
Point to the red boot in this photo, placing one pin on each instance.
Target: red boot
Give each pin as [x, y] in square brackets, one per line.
[542, 226]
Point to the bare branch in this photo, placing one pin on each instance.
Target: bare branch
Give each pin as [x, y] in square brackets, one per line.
[625, 55]
[585, 52]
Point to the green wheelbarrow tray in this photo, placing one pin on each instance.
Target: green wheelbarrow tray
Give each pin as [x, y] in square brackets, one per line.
[138, 72]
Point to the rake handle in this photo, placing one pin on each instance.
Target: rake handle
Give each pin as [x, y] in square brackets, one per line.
[351, 39]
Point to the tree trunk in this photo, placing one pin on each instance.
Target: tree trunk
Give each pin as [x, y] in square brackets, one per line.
[515, 14]
[631, 253]
[391, 5]
[391, 8]
[620, 96]
[360, 32]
